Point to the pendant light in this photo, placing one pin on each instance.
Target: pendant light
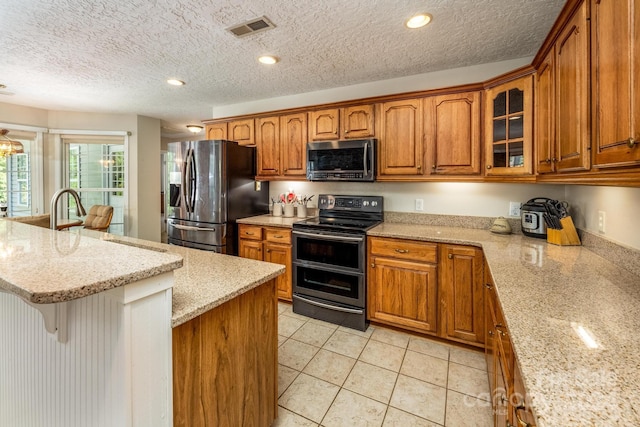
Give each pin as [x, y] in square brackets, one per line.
[8, 146]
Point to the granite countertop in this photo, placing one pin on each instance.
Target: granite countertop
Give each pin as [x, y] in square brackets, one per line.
[271, 221]
[44, 266]
[548, 293]
[206, 279]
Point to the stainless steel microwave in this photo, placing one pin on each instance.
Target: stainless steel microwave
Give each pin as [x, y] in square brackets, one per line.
[352, 160]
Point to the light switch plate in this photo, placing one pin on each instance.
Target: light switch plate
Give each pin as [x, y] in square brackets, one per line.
[419, 204]
[514, 209]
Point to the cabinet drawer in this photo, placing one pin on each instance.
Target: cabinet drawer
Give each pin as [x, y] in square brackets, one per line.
[404, 249]
[252, 232]
[277, 235]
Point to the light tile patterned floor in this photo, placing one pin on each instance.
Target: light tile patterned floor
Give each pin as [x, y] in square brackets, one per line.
[338, 377]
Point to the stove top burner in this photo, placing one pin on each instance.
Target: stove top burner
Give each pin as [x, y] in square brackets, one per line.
[355, 214]
[338, 223]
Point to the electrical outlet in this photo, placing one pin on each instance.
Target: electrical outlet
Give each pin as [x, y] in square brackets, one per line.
[419, 204]
[602, 221]
[514, 209]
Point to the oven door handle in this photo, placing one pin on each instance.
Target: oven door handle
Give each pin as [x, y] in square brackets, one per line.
[328, 306]
[329, 237]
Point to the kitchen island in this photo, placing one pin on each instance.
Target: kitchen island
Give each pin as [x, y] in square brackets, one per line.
[111, 309]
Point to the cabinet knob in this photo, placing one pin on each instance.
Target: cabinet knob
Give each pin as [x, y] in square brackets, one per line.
[450, 256]
[419, 167]
[489, 166]
[631, 142]
[268, 250]
[433, 167]
[286, 170]
[490, 333]
[554, 160]
[547, 161]
[487, 285]
[346, 131]
[373, 265]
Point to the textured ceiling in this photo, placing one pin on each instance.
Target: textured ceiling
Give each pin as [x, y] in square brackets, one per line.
[114, 56]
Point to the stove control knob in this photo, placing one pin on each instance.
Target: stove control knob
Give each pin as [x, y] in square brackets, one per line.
[374, 203]
[365, 203]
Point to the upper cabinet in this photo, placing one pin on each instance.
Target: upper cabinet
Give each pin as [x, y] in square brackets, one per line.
[545, 140]
[281, 146]
[216, 131]
[452, 132]
[572, 94]
[509, 128]
[241, 131]
[268, 146]
[615, 84]
[342, 123]
[401, 143]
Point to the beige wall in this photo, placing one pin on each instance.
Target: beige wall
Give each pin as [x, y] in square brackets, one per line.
[144, 170]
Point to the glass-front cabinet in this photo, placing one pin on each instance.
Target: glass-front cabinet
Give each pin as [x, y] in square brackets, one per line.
[508, 138]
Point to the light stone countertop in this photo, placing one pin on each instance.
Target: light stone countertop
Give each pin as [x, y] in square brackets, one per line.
[44, 266]
[206, 279]
[271, 221]
[547, 294]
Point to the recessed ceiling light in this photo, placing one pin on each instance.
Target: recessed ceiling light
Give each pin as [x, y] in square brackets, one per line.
[175, 82]
[194, 128]
[268, 59]
[419, 20]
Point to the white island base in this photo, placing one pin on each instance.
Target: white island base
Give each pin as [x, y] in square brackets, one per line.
[108, 363]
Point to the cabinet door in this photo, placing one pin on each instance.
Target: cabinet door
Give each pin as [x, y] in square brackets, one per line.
[545, 115]
[357, 122]
[462, 288]
[280, 254]
[241, 131]
[324, 124]
[217, 131]
[293, 144]
[268, 146]
[452, 130]
[509, 128]
[401, 150]
[403, 293]
[572, 94]
[250, 249]
[522, 413]
[615, 65]
[489, 350]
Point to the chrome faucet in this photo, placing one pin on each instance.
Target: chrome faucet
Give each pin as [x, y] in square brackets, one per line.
[53, 220]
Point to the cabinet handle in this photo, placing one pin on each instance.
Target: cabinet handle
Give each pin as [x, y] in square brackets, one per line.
[402, 251]
[521, 422]
[249, 233]
[489, 166]
[278, 236]
[450, 256]
[631, 142]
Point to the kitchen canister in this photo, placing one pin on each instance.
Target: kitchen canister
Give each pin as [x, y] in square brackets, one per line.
[288, 210]
[302, 211]
[277, 209]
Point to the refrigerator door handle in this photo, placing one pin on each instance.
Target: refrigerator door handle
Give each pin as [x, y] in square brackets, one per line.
[193, 184]
[187, 181]
[191, 228]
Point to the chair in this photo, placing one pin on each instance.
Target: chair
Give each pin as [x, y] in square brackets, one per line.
[98, 218]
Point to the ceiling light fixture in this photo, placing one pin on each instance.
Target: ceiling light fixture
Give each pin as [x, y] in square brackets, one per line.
[418, 21]
[268, 59]
[8, 146]
[194, 128]
[175, 82]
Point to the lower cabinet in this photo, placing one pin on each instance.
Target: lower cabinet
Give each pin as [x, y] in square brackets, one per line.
[270, 244]
[426, 287]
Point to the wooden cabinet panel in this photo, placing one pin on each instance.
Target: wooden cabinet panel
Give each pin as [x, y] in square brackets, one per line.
[403, 293]
[268, 146]
[241, 131]
[461, 285]
[280, 254]
[252, 232]
[572, 94]
[545, 115]
[452, 131]
[217, 131]
[401, 145]
[293, 144]
[277, 235]
[324, 125]
[509, 128]
[357, 122]
[250, 249]
[615, 65]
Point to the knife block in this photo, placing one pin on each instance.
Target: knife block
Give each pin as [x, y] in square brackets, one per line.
[568, 236]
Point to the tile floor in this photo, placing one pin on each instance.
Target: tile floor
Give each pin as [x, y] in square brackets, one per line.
[333, 376]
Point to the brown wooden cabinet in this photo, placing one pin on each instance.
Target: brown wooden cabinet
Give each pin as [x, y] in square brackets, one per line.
[342, 123]
[401, 142]
[271, 244]
[462, 294]
[572, 94]
[545, 139]
[509, 128]
[615, 82]
[453, 133]
[281, 146]
[241, 131]
[216, 131]
[402, 284]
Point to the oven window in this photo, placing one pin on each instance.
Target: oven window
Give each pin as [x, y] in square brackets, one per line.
[332, 252]
[328, 282]
[346, 159]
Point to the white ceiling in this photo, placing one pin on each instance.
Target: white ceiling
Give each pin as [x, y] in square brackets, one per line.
[114, 56]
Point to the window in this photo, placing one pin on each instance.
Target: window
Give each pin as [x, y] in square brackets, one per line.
[15, 180]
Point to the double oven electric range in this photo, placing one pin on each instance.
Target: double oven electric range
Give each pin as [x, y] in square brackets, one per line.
[329, 259]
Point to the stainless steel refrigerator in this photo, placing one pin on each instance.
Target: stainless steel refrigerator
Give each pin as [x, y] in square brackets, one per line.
[211, 185]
